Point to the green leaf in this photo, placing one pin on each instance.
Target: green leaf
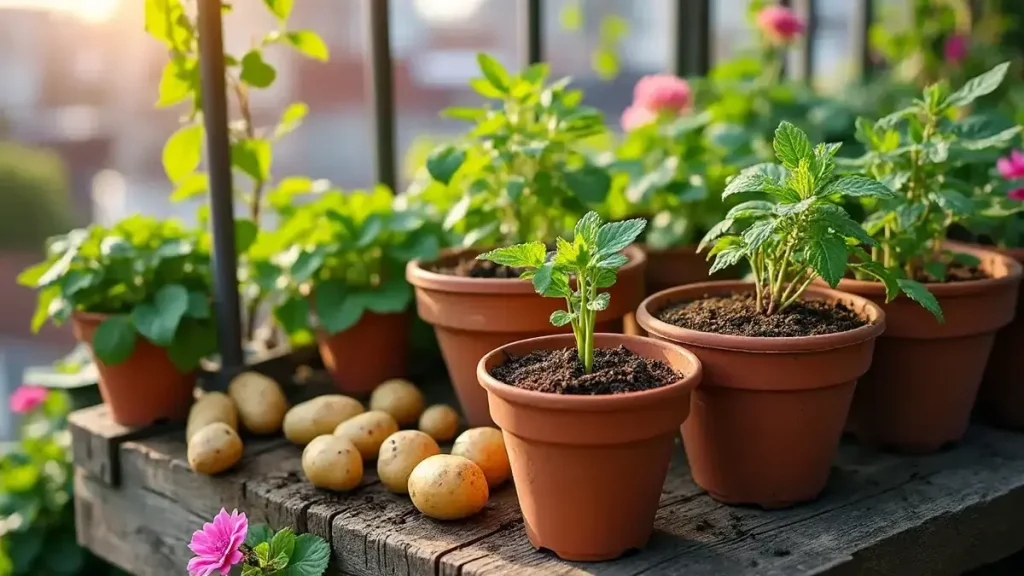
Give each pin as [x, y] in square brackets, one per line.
[192, 185]
[977, 87]
[194, 341]
[293, 314]
[306, 265]
[788, 209]
[309, 558]
[791, 145]
[253, 158]
[183, 152]
[457, 212]
[255, 71]
[837, 219]
[529, 255]
[158, 321]
[309, 43]
[464, 113]
[370, 230]
[561, 318]
[587, 227]
[750, 209]
[179, 78]
[245, 234]
[282, 544]
[589, 183]
[642, 190]
[954, 202]
[543, 277]
[969, 260]
[389, 298]
[907, 214]
[883, 275]
[716, 231]
[604, 277]
[484, 88]
[336, 309]
[753, 179]
[495, 73]
[257, 534]
[730, 256]
[262, 552]
[936, 270]
[281, 8]
[444, 162]
[114, 340]
[612, 261]
[920, 294]
[291, 118]
[758, 233]
[248, 570]
[827, 255]
[599, 303]
[515, 186]
[616, 236]
[198, 305]
[858, 187]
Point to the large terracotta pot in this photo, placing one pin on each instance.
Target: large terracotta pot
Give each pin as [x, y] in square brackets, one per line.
[143, 389]
[472, 316]
[589, 470]
[921, 388]
[766, 421]
[373, 350]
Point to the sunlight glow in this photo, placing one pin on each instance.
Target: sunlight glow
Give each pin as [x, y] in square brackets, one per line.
[446, 12]
[90, 11]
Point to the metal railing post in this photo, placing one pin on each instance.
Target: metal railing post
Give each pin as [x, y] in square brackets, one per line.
[690, 37]
[530, 40]
[860, 31]
[380, 90]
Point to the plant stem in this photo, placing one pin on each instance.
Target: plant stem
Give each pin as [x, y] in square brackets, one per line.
[790, 285]
[581, 348]
[797, 294]
[757, 280]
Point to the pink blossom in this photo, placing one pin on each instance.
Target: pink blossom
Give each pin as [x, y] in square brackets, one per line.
[635, 117]
[780, 24]
[955, 48]
[27, 398]
[1012, 167]
[217, 545]
[1017, 194]
[663, 93]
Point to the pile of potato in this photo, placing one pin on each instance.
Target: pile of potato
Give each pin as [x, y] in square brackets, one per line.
[340, 436]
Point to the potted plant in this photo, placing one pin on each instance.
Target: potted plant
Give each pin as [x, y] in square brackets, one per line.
[922, 386]
[139, 294]
[520, 175]
[599, 417]
[341, 261]
[781, 356]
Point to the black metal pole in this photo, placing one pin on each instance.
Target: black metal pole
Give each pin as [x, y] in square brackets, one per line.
[861, 34]
[530, 32]
[218, 161]
[381, 93]
[690, 37]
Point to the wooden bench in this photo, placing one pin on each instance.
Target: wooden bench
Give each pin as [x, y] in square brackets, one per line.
[137, 504]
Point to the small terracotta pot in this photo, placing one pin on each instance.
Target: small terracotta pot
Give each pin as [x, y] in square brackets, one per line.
[375, 349]
[472, 316]
[921, 388]
[143, 389]
[767, 419]
[589, 470]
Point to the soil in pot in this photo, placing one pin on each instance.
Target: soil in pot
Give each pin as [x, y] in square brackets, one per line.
[373, 350]
[589, 454]
[766, 421]
[922, 386]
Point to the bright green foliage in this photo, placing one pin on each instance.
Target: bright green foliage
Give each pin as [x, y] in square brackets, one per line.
[575, 271]
[283, 553]
[340, 256]
[520, 173]
[917, 152]
[151, 277]
[796, 233]
[34, 199]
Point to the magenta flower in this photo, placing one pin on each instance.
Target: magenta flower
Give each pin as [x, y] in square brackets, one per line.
[634, 117]
[1012, 167]
[659, 93]
[955, 48]
[1016, 194]
[217, 545]
[27, 398]
[780, 24]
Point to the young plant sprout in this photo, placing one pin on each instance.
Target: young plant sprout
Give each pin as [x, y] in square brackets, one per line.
[592, 259]
[798, 234]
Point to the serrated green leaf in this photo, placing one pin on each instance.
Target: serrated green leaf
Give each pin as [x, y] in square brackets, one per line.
[114, 340]
[255, 71]
[750, 209]
[599, 303]
[954, 202]
[920, 294]
[908, 214]
[309, 43]
[827, 256]
[282, 544]
[561, 318]
[838, 220]
[978, 86]
[604, 277]
[791, 145]
[791, 209]
[858, 187]
[587, 227]
[529, 255]
[494, 72]
[183, 152]
[613, 261]
[757, 234]
[309, 558]
[730, 256]
[616, 236]
[714, 233]
[262, 552]
[444, 162]
[883, 275]
[753, 179]
[542, 277]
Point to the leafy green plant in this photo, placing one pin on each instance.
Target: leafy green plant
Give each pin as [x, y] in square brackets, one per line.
[34, 199]
[251, 146]
[917, 151]
[797, 233]
[339, 256]
[605, 58]
[575, 271]
[284, 553]
[521, 173]
[151, 279]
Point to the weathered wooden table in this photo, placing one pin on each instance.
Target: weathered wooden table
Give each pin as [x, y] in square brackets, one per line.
[137, 504]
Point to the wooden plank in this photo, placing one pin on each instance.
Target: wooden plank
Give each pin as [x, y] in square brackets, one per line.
[96, 438]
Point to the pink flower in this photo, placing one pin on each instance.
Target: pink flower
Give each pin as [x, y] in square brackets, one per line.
[217, 545]
[1017, 194]
[662, 93]
[780, 24]
[634, 117]
[27, 398]
[1012, 167]
[955, 48]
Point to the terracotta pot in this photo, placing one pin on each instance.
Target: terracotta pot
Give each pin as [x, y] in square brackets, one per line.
[589, 470]
[375, 349]
[143, 389]
[1001, 397]
[766, 421]
[472, 316]
[921, 388]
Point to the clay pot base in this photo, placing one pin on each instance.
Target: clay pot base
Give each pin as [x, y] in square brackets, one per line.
[571, 556]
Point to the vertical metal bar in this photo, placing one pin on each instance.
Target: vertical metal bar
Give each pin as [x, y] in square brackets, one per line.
[690, 37]
[530, 33]
[218, 160]
[860, 32]
[381, 94]
[802, 65]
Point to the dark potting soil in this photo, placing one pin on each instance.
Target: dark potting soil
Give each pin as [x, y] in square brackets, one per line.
[616, 370]
[470, 267]
[736, 316]
[955, 272]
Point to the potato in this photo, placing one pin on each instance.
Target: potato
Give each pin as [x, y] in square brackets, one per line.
[399, 454]
[400, 398]
[448, 487]
[332, 462]
[214, 448]
[319, 416]
[368, 431]
[209, 408]
[260, 401]
[486, 447]
[440, 421]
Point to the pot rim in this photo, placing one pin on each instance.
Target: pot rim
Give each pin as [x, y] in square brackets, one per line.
[597, 403]
[781, 344]
[1015, 253]
[89, 317]
[421, 278]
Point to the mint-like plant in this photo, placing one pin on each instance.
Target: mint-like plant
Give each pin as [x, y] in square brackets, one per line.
[797, 233]
[575, 271]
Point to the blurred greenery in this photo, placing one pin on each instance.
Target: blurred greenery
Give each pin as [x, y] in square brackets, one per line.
[34, 197]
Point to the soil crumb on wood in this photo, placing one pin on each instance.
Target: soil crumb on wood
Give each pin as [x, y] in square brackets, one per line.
[470, 267]
[955, 272]
[736, 316]
[616, 371]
